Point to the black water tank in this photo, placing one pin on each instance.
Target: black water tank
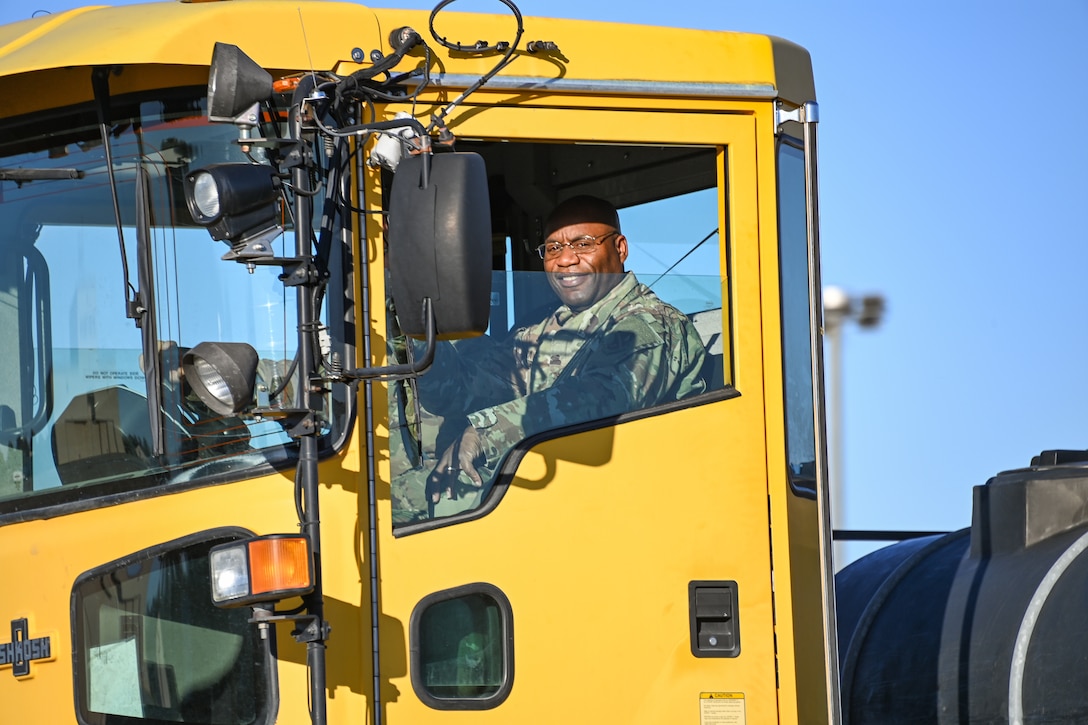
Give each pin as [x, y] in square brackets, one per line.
[984, 625]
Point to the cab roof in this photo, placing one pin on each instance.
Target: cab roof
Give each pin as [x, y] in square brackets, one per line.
[301, 35]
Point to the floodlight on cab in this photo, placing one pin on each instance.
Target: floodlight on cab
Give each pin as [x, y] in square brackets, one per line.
[222, 374]
[239, 204]
[236, 87]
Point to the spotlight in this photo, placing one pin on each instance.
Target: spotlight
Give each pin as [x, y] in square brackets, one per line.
[238, 203]
[222, 374]
[236, 85]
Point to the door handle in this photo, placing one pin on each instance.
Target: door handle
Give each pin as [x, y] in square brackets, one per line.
[712, 611]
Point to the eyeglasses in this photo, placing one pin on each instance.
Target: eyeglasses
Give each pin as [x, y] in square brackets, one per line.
[580, 245]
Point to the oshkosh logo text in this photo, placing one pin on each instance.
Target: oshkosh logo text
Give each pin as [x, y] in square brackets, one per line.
[22, 650]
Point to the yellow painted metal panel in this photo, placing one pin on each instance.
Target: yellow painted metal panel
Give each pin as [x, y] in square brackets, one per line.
[598, 570]
[41, 560]
[296, 34]
[175, 33]
[309, 35]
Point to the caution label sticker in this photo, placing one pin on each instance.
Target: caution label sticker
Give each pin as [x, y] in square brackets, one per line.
[721, 708]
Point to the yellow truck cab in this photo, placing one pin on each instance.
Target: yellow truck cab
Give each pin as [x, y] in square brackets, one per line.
[245, 241]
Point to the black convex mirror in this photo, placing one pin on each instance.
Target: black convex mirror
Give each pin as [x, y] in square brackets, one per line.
[440, 244]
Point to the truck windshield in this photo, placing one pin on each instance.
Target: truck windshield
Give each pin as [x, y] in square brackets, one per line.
[74, 388]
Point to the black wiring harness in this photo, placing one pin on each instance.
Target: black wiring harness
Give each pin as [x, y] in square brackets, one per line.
[331, 106]
[335, 99]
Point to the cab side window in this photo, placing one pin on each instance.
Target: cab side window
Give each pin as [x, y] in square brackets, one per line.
[584, 326]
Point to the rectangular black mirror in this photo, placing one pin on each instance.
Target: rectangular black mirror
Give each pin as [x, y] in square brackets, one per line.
[440, 243]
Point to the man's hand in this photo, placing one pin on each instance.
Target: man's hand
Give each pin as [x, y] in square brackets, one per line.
[463, 455]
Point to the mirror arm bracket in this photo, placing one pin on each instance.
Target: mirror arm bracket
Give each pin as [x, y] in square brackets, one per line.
[410, 369]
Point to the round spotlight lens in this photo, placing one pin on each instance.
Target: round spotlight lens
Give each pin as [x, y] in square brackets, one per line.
[213, 381]
[222, 374]
[206, 194]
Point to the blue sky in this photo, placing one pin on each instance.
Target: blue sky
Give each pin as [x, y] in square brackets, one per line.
[952, 184]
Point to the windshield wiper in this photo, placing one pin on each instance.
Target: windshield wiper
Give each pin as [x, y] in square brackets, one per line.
[100, 82]
[21, 175]
[138, 303]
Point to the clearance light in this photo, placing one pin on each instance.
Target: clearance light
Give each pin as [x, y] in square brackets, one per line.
[261, 570]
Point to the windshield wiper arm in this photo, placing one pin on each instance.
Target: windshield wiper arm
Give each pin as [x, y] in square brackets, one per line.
[21, 175]
[100, 82]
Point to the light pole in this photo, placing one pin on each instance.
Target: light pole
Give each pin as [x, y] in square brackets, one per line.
[839, 308]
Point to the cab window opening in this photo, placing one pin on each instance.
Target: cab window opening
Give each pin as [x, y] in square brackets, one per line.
[150, 647]
[631, 320]
[796, 323]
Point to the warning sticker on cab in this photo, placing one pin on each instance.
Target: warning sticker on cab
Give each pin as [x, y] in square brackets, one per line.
[721, 708]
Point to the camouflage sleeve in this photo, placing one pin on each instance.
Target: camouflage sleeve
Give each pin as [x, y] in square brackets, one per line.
[640, 362]
[467, 375]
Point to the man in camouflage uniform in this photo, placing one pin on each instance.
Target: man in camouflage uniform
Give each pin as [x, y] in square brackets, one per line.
[610, 347]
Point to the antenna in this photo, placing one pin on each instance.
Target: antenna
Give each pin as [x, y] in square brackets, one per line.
[306, 42]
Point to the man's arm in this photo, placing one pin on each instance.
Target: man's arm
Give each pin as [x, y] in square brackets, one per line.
[467, 375]
[640, 362]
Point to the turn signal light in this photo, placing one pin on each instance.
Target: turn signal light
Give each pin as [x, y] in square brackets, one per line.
[261, 570]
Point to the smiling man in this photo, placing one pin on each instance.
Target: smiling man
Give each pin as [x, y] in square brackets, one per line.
[611, 346]
[583, 251]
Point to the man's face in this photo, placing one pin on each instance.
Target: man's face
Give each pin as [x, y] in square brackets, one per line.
[580, 280]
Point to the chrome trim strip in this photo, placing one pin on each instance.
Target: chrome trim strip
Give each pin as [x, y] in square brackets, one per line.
[808, 115]
[756, 91]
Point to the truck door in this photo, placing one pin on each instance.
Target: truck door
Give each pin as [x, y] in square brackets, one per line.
[612, 569]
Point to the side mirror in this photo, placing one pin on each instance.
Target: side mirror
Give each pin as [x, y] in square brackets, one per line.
[440, 244]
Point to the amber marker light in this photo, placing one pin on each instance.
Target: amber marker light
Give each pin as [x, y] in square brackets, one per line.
[261, 570]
